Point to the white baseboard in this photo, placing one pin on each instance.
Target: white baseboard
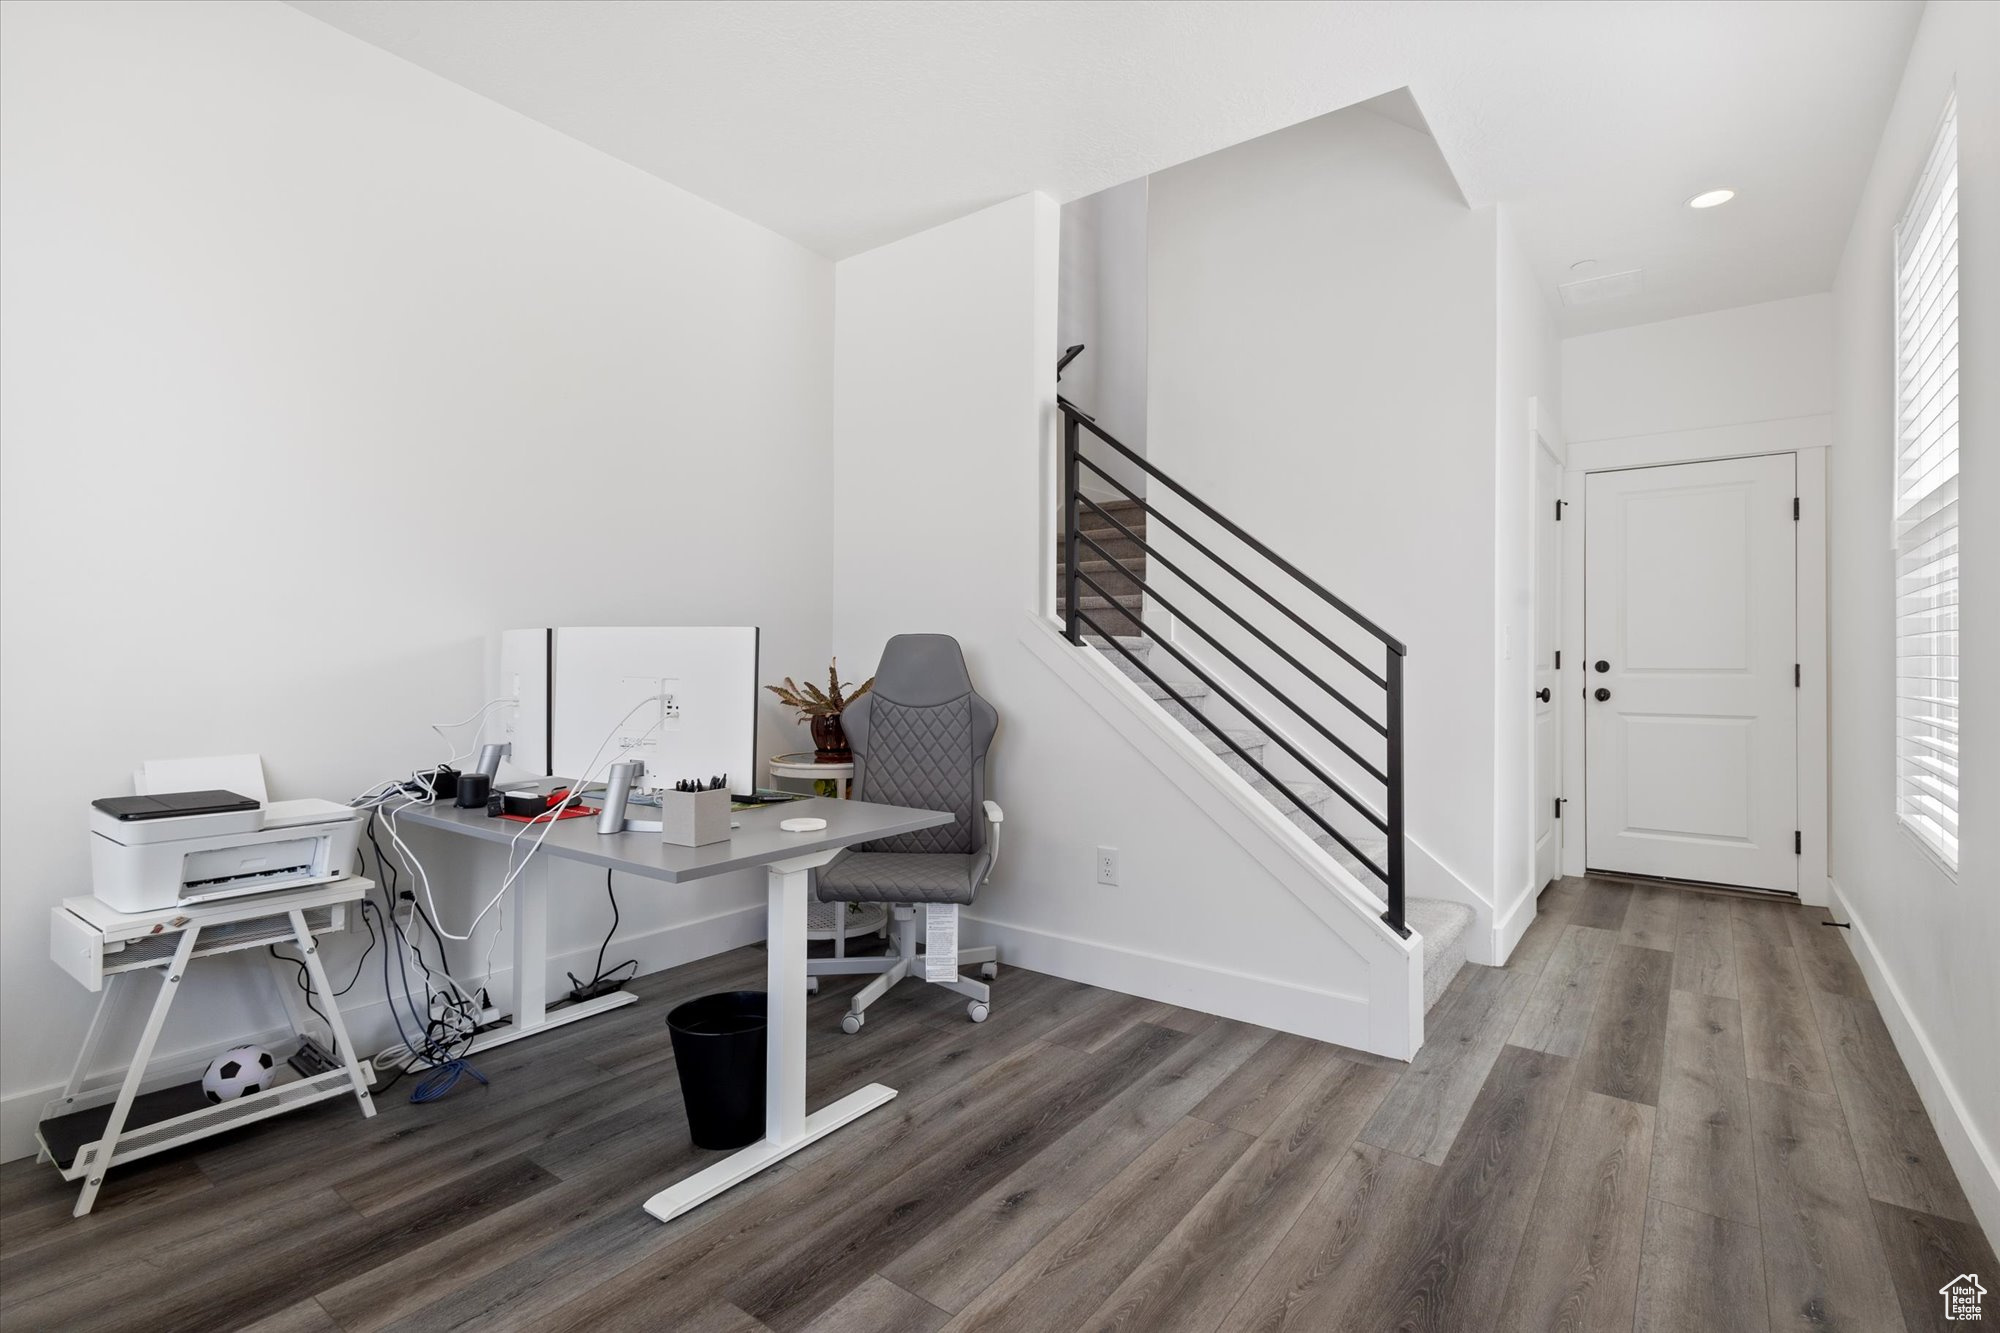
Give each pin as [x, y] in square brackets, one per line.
[1970, 1155]
[1512, 925]
[371, 1025]
[1428, 877]
[1286, 1006]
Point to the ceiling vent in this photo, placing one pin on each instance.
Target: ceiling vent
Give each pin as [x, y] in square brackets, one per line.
[1589, 291]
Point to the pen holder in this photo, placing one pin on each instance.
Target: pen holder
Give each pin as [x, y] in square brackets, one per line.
[694, 818]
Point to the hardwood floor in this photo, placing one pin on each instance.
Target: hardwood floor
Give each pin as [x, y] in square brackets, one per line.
[1671, 1111]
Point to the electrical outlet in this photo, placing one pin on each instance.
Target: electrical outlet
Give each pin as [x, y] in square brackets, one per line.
[1107, 865]
[510, 716]
[488, 1015]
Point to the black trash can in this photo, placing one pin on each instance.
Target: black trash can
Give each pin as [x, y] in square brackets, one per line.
[719, 1051]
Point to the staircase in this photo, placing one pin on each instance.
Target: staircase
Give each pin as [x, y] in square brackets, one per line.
[1117, 628]
[1441, 924]
[1119, 612]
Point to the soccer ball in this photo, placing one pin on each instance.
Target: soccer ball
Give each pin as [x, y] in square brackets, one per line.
[238, 1070]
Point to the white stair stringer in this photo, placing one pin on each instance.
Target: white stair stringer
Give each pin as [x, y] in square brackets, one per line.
[1378, 973]
[1442, 924]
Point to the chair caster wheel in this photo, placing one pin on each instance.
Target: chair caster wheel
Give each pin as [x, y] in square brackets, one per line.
[851, 1024]
[977, 1011]
[989, 970]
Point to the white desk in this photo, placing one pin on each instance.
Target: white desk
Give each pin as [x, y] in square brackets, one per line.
[788, 859]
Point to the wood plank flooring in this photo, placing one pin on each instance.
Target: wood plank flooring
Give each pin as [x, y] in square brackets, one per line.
[1671, 1111]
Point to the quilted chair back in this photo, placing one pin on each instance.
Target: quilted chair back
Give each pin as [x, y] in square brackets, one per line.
[920, 737]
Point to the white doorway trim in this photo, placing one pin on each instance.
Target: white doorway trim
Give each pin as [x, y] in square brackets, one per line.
[1543, 453]
[1801, 437]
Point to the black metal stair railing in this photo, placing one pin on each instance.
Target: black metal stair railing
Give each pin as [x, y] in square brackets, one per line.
[1384, 686]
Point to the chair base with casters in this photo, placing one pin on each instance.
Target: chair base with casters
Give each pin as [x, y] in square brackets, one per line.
[920, 735]
[902, 963]
[904, 960]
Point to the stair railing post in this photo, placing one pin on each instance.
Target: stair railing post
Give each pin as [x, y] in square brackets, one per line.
[1072, 515]
[1394, 769]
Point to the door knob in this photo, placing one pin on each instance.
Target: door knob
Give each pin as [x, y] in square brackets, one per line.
[1602, 694]
[1603, 666]
[1543, 694]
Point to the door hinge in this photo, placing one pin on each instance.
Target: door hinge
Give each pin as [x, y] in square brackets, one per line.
[1798, 843]
[1798, 675]
[1559, 509]
[1559, 807]
[1795, 509]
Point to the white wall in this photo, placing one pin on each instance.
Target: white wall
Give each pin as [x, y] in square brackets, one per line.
[1755, 363]
[1101, 302]
[1324, 322]
[943, 437]
[1748, 380]
[319, 369]
[1930, 940]
[1527, 381]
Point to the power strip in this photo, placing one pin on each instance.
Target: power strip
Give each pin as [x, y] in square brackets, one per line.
[311, 1058]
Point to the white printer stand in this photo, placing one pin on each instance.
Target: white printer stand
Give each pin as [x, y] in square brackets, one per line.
[88, 1130]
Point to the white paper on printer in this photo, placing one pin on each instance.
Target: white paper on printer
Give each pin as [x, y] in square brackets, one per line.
[240, 773]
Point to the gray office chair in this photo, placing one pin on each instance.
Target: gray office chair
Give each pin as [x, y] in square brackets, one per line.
[920, 738]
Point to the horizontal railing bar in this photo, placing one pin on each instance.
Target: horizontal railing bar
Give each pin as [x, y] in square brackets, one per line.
[1229, 569]
[1388, 640]
[1230, 741]
[1291, 749]
[1247, 670]
[1226, 609]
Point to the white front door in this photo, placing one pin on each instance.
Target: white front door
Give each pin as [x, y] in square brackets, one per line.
[1690, 653]
[1548, 686]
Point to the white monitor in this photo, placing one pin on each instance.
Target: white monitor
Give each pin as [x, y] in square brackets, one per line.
[683, 699]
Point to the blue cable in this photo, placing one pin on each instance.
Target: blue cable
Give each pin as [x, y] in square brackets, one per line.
[442, 1079]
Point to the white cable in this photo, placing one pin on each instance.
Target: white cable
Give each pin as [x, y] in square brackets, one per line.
[478, 715]
[413, 867]
[547, 819]
[453, 1015]
[499, 929]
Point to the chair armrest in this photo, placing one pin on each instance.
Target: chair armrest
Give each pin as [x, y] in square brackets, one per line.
[994, 818]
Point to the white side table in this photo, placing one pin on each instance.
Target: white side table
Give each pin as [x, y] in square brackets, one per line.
[802, 767]
[92, 1128]
[831, 921]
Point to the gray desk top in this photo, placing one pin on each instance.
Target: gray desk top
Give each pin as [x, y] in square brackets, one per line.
[758, 841]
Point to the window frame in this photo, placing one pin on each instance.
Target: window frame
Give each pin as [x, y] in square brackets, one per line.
[1922, 205]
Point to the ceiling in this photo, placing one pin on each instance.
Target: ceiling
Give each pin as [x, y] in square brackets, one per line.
[848, 124]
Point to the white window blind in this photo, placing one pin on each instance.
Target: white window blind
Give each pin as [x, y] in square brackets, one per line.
[1926, 501]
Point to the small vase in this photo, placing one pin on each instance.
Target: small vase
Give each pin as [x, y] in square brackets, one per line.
[829, 740]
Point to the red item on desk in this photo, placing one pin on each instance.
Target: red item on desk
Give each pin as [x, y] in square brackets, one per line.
[574, 812]
[555, 798]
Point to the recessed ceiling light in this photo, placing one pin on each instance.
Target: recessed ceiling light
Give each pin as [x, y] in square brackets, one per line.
[1710, 198]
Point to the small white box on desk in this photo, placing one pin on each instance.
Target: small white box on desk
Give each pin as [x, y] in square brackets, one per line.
[694, 818]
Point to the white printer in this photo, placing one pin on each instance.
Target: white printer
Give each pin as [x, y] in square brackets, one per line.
[172, 848]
